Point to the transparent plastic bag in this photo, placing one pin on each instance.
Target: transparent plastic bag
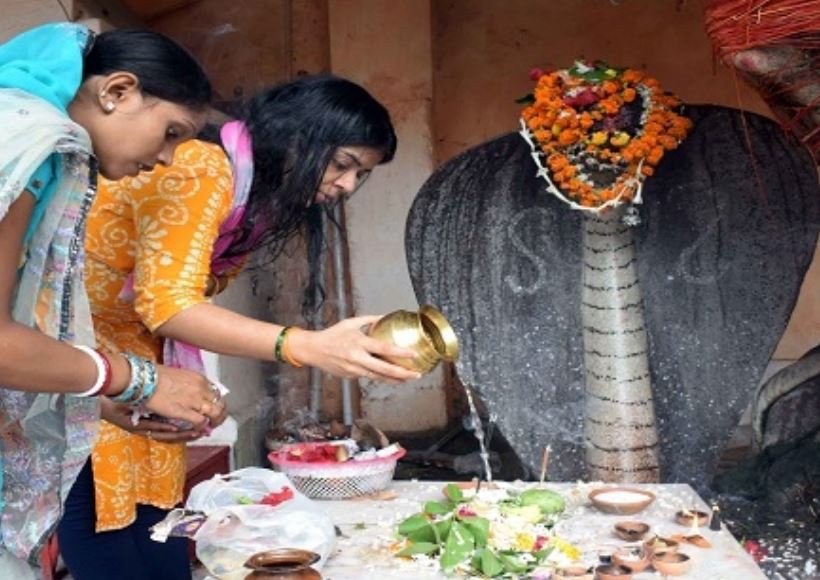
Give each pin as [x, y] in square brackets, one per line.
[238, 525]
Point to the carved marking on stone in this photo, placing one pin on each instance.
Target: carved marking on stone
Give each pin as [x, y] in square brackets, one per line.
[539, 266]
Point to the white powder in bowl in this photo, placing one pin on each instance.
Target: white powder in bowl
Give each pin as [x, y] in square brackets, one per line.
[620, 497]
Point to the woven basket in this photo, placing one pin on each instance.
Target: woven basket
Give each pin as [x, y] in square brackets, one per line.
[335, 480]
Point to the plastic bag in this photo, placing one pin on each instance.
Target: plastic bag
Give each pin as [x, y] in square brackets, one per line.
[239, 526]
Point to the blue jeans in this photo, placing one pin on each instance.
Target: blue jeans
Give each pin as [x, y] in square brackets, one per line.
[126, 554]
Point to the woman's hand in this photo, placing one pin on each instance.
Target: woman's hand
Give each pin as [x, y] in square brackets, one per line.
[120, 415]
[345, 350]
[186, 395]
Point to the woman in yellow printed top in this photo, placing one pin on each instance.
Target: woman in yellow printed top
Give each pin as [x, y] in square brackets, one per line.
[159, 244]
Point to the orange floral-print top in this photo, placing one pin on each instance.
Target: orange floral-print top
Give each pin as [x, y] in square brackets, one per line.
[162, 226]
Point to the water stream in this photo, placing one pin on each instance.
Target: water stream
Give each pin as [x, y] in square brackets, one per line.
[478, 429]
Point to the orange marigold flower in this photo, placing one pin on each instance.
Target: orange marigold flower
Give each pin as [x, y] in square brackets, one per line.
[568, 137]
[653, 128]
[629, 95]
[668, 142]
[632, 76]
[541, 135]
[647, 170]
[569, 171]
[557, 161]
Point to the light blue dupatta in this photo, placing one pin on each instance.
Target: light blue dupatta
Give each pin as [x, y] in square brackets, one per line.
[45, 439]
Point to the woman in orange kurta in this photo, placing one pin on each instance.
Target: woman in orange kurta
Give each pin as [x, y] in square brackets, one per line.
[157, 248]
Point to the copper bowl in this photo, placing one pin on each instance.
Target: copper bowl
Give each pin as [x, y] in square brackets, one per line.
[612, 572]
[426, 332]
[686, 517]
[573, 572]
[283, 564]
[631, 531]
[671, 563]
[636, 558]
[630, 501]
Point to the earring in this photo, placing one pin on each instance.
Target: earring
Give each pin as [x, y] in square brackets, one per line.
[109, 106]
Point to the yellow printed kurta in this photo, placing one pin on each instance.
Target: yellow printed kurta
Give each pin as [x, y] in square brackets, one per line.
[162, 226]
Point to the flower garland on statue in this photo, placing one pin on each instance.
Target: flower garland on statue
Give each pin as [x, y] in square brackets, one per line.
[597, 132]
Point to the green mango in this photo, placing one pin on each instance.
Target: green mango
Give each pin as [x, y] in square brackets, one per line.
[547, 501]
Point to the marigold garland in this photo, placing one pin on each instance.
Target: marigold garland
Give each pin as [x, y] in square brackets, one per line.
[597, 132]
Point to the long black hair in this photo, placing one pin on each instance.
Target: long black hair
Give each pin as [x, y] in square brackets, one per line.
[165, 70]
[295, 129]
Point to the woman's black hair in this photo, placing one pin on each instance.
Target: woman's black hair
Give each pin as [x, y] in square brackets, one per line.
[295, 129]
[165, 70]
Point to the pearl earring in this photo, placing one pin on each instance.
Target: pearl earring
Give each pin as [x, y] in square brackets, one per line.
[109, 106]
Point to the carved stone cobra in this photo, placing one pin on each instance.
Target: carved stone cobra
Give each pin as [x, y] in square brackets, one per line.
[724, 243]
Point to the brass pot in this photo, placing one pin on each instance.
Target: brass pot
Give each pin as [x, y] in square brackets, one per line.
[426, 332]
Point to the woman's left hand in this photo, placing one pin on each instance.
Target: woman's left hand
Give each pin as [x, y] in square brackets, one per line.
[120, 416]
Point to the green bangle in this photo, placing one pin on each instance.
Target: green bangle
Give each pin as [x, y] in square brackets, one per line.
[280, 342]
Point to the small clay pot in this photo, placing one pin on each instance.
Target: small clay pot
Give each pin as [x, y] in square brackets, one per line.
[636, 558]
[283, 564]
[659, 545]
[631, 531]
[573, 572]
[686, 517]
[304, 574]
[612, 572]
[671, 563]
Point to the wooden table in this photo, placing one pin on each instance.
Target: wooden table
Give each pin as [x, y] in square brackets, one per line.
[368, 526]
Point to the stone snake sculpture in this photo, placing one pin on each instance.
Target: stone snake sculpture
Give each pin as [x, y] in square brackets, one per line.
[724, 243]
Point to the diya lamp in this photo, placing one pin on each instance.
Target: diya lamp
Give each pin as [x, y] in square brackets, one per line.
[631, 531]
[659, 545]
[693, 518]
[426, 332]
[635, 558]
[573, 572]
[671, 563]
[697, 519]
[612, 572]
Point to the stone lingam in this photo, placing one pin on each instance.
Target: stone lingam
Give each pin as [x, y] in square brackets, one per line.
[724, 239]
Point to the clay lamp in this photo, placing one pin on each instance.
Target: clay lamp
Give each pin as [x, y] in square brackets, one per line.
[671, 563]
[631, 531]
[635, 558]
[573, 572]
[612, 572]
[695, 519]
[687, 518]
[659, 545]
